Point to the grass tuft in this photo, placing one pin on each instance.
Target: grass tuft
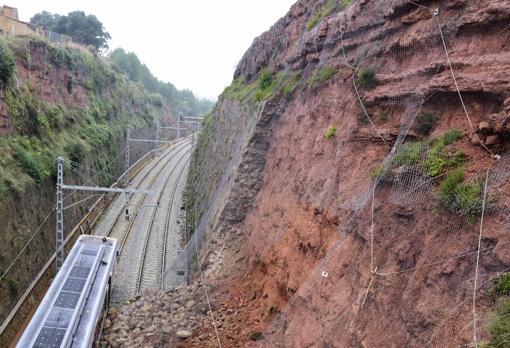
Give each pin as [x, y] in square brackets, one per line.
[451, 136]
[330, 133]
[366, 78]
[321, 76]
[324, 11]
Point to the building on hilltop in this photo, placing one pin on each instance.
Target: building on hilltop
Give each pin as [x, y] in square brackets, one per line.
[11, 25]
[8, 11]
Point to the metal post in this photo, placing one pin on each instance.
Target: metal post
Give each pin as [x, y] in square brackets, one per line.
[126, 166]
[179, 127]
[60, 213]
[156, 145]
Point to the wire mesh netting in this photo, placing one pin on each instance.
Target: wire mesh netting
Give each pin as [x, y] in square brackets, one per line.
[430, 237]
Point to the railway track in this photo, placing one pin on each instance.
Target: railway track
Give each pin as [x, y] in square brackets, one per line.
[152, 261]
[25, 304]
[168, 218]
[137, 238]
[121, 228]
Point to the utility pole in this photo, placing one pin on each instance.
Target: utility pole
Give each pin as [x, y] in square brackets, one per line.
[179, 126]
[60, 213]
[60, 204]
[126, 171]
[156, 145]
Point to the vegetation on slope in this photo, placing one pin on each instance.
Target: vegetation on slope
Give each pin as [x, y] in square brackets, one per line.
[42, 129]
[499, 324]
[323, 11]
[321, 76]
[267, 85]
[437, 158]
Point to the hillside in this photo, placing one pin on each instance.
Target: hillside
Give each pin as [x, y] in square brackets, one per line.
[350, 188]
[59, 100]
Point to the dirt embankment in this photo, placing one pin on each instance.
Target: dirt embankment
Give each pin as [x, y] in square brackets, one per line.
[303, 250]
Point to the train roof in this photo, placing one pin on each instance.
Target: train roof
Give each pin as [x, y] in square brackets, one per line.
[69, 311]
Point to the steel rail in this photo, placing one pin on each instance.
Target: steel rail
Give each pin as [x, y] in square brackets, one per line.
[149, 234]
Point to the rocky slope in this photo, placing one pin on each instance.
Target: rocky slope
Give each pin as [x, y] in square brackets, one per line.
[338, 184]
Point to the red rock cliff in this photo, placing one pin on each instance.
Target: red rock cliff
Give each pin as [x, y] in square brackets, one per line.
[326, 228]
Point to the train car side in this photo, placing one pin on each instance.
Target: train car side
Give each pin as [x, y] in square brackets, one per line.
[72, 309]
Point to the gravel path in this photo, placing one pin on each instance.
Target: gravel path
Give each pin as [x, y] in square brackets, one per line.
[165, 175]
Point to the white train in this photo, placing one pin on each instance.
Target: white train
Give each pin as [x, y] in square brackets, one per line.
[74, 308]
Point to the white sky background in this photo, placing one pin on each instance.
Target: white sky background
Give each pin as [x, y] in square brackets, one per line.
[193, 44]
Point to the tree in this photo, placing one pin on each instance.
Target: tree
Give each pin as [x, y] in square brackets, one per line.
[7, 64]
[181, 101]
[84, 29]
[44, 19]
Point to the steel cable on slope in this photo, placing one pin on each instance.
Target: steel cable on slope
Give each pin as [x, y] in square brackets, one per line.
[207, 296]
[436, 15]
[27, 244]
[478, 256]
[458, 256]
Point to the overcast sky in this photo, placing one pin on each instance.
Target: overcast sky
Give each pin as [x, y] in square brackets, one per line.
[194, 44]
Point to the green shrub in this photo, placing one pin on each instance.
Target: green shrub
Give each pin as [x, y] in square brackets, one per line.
[501, 285]
[463, 198]
[459, 157]
[346, 3]
[410, 154]
[450, 183]
[330, 133]
[451, 136]
[266, 84]
[30, 164]
[56, 116]
[325, 73]
[438, 159]
[425, 122]
[7, 64]
[322, 75]
[323, 11]
[383, 116]
[366, 78]
[499, 327]
[469, 198]
[76, 152]
[435, 162]
[265, 79]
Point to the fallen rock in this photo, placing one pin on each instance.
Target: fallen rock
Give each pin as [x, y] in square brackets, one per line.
[136, 332]
[484, 128]
[183, 334]
[166, 330]
[492, 140]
